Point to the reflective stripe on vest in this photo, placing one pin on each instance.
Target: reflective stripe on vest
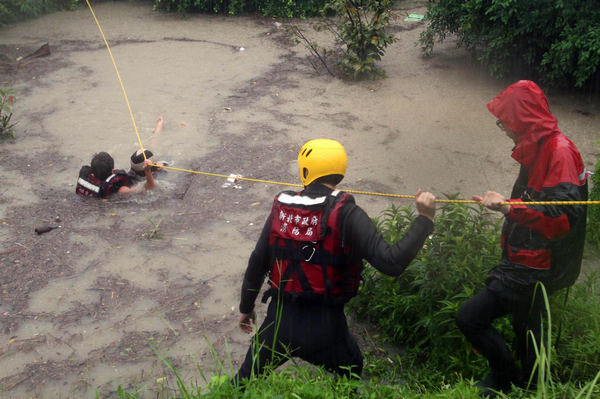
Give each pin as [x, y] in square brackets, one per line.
[288, 199]
[88, 185]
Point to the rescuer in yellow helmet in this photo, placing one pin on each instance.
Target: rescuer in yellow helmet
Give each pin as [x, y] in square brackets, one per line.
[312, 248]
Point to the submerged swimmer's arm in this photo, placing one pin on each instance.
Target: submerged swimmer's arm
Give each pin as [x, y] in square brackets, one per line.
[157, 129]
[126, 190]
[159, 125]
[150, 183]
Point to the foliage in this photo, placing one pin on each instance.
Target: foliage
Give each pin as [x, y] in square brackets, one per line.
[16, 10]
[7, 99]
[418, 308]
[361, 30]
[291, 8]
[555, 41]
[359, 27]
[577, 352]
[295, 381]
[593, 227]
[154, 232]
[274, 8]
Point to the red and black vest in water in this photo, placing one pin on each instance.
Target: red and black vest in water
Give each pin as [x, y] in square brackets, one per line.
[308, 259]
[89, 186]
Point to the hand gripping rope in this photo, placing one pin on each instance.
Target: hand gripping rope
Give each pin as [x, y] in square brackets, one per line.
[455, 201]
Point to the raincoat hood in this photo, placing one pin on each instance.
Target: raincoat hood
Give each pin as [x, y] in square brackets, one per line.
[523, 108]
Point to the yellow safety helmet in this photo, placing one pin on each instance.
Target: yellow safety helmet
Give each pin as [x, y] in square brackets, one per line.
[321, 157]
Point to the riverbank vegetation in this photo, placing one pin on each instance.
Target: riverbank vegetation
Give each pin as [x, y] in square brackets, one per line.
[7, 124]
[555, 42]
[18, 10]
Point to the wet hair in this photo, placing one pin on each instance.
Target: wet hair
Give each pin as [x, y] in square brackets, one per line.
[334, 180]
[102, 165]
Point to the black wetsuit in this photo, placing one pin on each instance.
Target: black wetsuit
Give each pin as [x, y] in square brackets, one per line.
[318, 332]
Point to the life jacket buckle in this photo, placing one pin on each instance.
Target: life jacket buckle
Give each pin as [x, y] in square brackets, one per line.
[304, 251]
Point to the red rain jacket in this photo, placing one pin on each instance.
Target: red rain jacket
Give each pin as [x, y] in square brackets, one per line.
[540, 242]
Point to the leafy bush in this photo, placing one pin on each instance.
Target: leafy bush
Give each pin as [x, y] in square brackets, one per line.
[577, 353]
[555, 41]
[211, 6]
[16, 10]
[361, 30]
[7, 99]
[291, 8]
[593, 227]
[274, 8]
[418, 308]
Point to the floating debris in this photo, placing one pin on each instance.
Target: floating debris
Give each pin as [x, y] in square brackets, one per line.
[232, 181]
[414, 17]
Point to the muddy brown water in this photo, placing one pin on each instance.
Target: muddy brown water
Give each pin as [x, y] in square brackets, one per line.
[84, 307]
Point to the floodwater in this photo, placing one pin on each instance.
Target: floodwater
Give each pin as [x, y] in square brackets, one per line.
[84, 307]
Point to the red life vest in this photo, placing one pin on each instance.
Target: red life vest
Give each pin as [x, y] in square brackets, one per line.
[308, 259]
[89, 186]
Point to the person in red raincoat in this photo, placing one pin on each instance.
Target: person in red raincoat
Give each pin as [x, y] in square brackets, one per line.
[540, 243]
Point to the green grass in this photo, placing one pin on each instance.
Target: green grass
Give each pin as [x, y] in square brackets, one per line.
[384, 376]
[296, 382]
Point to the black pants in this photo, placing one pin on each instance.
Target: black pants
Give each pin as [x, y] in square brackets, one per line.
[315, 333]
[475, 318]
